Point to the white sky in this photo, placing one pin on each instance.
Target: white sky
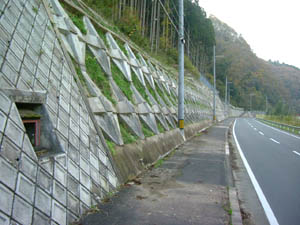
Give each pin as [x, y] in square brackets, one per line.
[271, 27]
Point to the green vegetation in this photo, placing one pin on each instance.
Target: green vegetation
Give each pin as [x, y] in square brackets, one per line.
[162, 95]
[121, 81]
[141, 89]
[76, 18]
[111, 147]
[250, 75]
[127, 135]
[78, 72]
[147, 132]
[288, 120]
[135, 23]
[158, 163]
[152, 92]
[98, 76]
[160, 127]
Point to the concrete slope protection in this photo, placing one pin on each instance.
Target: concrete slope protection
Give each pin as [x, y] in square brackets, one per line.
[272, 164]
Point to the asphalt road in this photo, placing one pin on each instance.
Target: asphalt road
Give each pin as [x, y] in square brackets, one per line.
[274, 158]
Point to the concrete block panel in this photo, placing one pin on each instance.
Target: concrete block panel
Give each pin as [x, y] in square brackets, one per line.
[73, 153]
[59, 192]
[59, 213]
[60, 174]
[150, 121]
[94, 161]
[125, 106]
[43, 201]
[103, 158]
[96, 105]
[85, 179]
[6, 200]
[28, 167]
[73, 169]
[110, 126]
[84, 165]
[137, 97]
[73, 185]
[3, 119]
[133, 122]
[4, 220]
[71, 218]
[62, 160]
[104, 183]
[62, 128]
[25, 188]
[74, 139]
[8, 174]
[10, 152]
[73, 203]
[14, 132]
[22, 211]
[44, 180]
[15, 117]
[85, 196]
[95, 175]
[161, 118]
[74, 127]
[112, 179]
[84, 151]
[144, 108]
[102, 58]
[84, 138]
[39, 218]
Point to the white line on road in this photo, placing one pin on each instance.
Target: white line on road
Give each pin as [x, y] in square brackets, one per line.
[254, 128]
[261, 133]
[274, 141]
[269, 213]
[227, 148]
[297, 153]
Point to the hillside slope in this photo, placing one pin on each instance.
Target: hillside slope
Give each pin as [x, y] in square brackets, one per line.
[252, 76]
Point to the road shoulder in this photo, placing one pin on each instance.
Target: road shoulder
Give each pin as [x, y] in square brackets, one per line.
[251, 208]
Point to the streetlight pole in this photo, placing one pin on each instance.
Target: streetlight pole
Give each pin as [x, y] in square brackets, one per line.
[214, 101]
[181, 70]
[226, 96]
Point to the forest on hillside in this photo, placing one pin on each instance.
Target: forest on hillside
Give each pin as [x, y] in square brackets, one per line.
[266, 84]
[153, 26]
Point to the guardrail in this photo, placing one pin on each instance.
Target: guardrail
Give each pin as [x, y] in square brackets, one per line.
[289, 128]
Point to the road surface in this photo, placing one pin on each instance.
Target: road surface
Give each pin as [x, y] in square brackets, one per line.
[273, 159]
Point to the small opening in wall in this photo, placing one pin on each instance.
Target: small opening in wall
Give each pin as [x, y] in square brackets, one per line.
[33, 131]
[31, 117]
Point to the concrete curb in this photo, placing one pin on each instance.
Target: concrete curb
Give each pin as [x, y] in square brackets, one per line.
[236, 218]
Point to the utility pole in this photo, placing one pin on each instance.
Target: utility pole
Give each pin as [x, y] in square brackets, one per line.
[214, 101]
[226, 96]
[181, 69]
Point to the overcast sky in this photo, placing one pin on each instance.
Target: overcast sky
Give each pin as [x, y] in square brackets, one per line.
[271, 27]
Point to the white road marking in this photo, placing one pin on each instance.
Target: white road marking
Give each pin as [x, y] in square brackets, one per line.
[269, 213]
[274, 141]
[261, 133]
[297, 153]
[254, 128]
[278, 130]
[227, 148]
